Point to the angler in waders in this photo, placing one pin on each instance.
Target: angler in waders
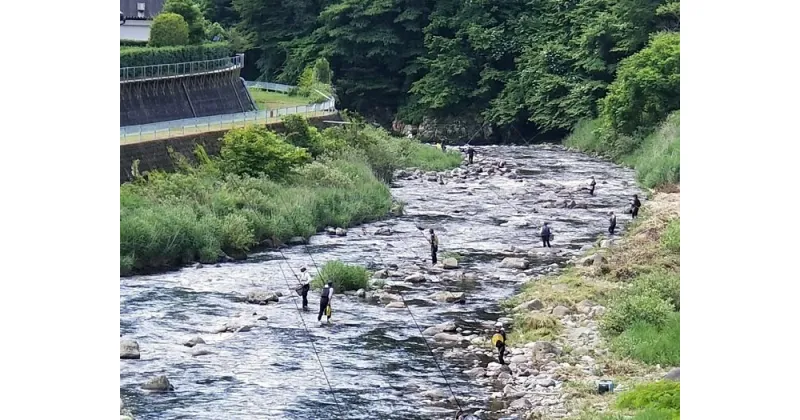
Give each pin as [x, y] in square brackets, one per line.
[325, 302]
[612, 222]
[470, 154]
[635, 206]
[434, 241]
[499, 341]
[305, 285]
[546, 234]
[591, 186]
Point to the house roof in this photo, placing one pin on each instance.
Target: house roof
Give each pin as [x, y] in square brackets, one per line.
[151, 8]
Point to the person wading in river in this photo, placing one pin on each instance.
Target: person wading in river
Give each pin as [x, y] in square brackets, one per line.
[305, 285]
[635, 206]
[612, 222]
[325, 302]
[499, 341]
[470, 154]
[591, 186]
[434, 241]
[546, 234]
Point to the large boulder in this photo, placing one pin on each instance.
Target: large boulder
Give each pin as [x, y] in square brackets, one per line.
[531, 305]
[296, 240]
[159, 383]
[541, 348]
[595, 260]
[395, 305]
[673, 375]
[341, 232]
[259, 297]
[384, 231]
[509, 262]
[450, 263]
[446, 337]
[561, 311]
[449, 297]
[129, 349]
[415, 278]
[436, 329]
[201, 351]
[194, 341]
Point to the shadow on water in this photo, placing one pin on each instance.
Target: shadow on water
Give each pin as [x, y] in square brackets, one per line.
[374, 357]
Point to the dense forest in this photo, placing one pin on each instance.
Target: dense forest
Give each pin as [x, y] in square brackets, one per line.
[539, 65]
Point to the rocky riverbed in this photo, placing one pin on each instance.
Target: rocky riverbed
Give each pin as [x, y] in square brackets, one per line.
[230, 342]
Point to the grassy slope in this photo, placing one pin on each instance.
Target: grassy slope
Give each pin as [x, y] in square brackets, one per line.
[274, 100]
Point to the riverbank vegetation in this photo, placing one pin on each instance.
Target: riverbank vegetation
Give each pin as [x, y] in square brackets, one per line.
[264, 188]
[344, 276]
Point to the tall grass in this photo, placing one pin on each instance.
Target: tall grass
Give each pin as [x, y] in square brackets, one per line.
[656, 157]
[651, 344]
[671, 238]
[344, 276]
[664, 395]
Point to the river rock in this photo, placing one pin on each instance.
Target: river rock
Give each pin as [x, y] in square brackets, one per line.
[129, 349]
[449, 297]
[124, 417]
[520, 404]
[520, 359]
[201, 351]
[541, 348]
[584, 306]
[361, 293]
[595, 260]
[531, 305]
[606, 243]
[509, 262]
[673, 375]
[340, 232]
[561, 311]
[475, 372]
[395, 305]
[388, 297]
[296, 240]
[415, 278]
[159, 383]
[436, 329]
[384, 231]
[194, 341]
[546, 382]
[261, 297]
[446, 337]
[450, 263]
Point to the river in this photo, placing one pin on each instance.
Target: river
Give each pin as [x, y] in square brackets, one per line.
[375, 358]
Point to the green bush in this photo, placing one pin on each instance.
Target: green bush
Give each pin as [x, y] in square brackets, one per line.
[628, 309]
[168, 30]
[322, 71]
[647, 87]
[662, 283]
[256, 151]
[191, 14]
[149, 56]
[665, 395]
[344, 276]
[132, 43]
[671, 238]
[301, 134]
[650, 344]
[658, 159]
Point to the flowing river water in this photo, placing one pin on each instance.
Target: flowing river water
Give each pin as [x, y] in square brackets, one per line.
[375, 358]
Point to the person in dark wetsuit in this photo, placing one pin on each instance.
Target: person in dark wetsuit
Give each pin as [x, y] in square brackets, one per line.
[499, 341]
[470, 154]
[635, 206]
[305, 285]
[325, 302]
[591, 186]
[545, 234]
[434, 241]
[612, 223]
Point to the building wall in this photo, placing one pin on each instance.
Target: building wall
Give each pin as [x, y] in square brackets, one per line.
[137, 30]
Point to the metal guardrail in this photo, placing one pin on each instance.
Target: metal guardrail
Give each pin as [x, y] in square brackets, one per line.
[275, 87]
[177, 128]
[130, 74]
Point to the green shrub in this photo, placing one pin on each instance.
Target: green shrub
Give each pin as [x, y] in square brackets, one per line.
[662, 283]
[191, 14]
[132, 43]
[671, 238]
[256, 151]
[650, 344]
[322, 71]
[344, 276]
[664, 395]
[658, 159]
[299, 133]
[646, 89]
[149, 56]
[628, 309]
[168, 30]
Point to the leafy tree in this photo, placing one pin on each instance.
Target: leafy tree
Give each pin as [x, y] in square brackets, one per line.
[219, 11]
[647, 88]
[322, 71]
[299, 133]
[192, 15]
[255, 151]
[167, 30]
